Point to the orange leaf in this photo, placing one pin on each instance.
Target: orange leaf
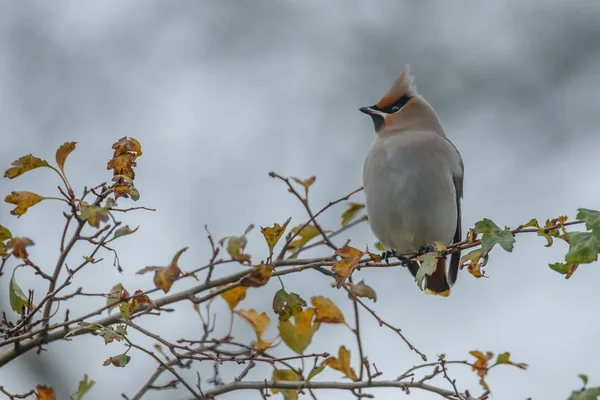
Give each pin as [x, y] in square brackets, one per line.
[259, 276]
[62, 153]
[19, 246]
[24, 164]
[343, 268]
[22, 201]
[327, 311]
[481, 363]
[342, 363]
[260, 323]
[234, 296]
[44, 393]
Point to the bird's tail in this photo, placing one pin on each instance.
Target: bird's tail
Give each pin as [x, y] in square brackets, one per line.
[436, 283]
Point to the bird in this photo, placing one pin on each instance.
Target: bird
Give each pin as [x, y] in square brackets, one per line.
[413, 181]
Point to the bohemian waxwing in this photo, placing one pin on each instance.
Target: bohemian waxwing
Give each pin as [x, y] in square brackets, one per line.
[413, 180]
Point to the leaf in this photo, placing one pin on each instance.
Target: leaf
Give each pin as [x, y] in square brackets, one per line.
[315, 371]
[564, 268]
[303, 237]
[19, 247]
[343, 268]
[427, 267]
[123, 231]
[481, 366]
[342, 363]
[234, 296]
[110, 334]
[62, 153]
[259, 276]
[126, 151]
[4, 235]
[351, 212]
[43, 392]
[379, 246]
[306, 183]
[84, 387]
[236, 246]
[126, 191]
[124, 311]
[299, 334]
[287, 304]
[504, 358]
[259, 323]
[92, 214]
[492, 235]
[361, 289]
[273, 234]
[583, 248]
[591, 218]
[532, 222]
[139, 299]
[22, 201]
[326, 310]
[583, 377]
[24, 164]
[285, 375]
[18, 299]
[116, 295]
[165, 276]
[120, 360]
[474, 262]
[586, 394]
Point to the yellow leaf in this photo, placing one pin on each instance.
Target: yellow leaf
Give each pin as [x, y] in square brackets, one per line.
[306, 183]
[62, 153]
[481, 363]
[327, 311]
[474, 262]
[44, 393]
[299, 335]
[379, 246]
[126, 190]
[92, 214]
[343, 268]
[234, 296]
[126, 151]
[361, 289]
[24, 164]
[258, 322]
[259, 276]
[351, 212]
[306, 234]
[165, 276]
[285, 375]
[19, 246]
[22, 201]
[273, 234]
[342, 363]
[127, 145]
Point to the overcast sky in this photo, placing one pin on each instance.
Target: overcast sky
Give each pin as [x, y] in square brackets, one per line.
[221, 93]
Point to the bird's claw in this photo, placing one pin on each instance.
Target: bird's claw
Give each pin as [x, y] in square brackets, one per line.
[426, 249]
[387, 254]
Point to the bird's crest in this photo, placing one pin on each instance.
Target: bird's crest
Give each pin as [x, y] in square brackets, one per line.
[403, 86]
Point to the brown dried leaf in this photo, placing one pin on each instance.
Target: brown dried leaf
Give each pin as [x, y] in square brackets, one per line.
[19, 247]
[139, 299]
[62, 153]
[43, 392]
[306, 183]
[259, 276]
[343, 268]
[22, 201]
[361, 289]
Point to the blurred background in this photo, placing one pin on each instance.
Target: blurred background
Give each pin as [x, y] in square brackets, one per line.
[221, 93]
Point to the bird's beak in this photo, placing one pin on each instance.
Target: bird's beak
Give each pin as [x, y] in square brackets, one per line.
[366, 110]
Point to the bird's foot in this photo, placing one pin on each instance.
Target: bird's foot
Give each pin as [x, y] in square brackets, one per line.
[387, 254]
[426, 249]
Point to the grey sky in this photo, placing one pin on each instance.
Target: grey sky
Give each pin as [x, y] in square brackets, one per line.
[220, 93]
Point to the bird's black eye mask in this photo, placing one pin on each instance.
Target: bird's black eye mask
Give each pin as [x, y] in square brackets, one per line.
[393, 108]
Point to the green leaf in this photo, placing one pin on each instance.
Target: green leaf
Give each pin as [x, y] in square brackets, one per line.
[4, 233]
[583, 248]
[591, 218]
[287, 304]
[586, 394]
[564, 268]
[93, 215]
[84, 387]
[315, 371]
[285, 375]
[532, 222]
[583, 377]
[351, 212]
[427, 267]
[492, 235]
[125, 311]
[123, 231]
[24, 164]
[298, 336]
[120, 360]
[504, 358]
[18, 299]
[114, 296]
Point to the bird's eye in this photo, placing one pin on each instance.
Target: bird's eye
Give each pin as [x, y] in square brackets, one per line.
[395, 109]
